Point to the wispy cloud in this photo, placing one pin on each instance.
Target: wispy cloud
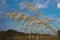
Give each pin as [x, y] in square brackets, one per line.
[59, 19]
[40, 5]
[3, 1]
[58, 5]
[22, 5]
[36, 3]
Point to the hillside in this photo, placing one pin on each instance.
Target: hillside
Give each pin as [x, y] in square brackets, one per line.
[14, 35]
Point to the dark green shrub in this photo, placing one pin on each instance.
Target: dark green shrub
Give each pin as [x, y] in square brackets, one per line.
[58, 34]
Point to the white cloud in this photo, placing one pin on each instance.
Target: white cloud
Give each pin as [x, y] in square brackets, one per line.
[40, 5]
[22, 5]
[58, 5]
[58, 19]
[47, 2]
[3, 1]
[36, 3]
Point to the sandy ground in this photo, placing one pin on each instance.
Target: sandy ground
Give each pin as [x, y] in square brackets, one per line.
[35, 38]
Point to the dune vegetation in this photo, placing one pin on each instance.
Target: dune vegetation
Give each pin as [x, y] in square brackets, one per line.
[14, 35]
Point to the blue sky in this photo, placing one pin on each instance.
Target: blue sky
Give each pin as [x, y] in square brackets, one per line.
[51, 8]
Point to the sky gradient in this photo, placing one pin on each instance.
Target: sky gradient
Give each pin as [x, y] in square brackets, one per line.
[51, 8]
